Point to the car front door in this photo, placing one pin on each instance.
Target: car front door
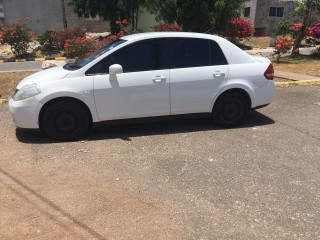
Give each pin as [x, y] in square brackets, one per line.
[142, 90]
[198, 71]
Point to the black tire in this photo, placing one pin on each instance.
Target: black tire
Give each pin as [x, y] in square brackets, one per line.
[65, 121]
[230, 109]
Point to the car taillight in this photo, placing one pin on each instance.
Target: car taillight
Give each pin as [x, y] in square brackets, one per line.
[269, 73]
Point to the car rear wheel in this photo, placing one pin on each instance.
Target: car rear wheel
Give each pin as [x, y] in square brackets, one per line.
[65, 120]
[230, 109]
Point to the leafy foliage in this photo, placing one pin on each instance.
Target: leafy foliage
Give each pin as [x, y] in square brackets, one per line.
[240, 29]
[80, 47]
[282, 45]
[167, 27]
[18, 36]
[282, 29]
[111, 10]
[316, 30]
[304, 9]
[296, 28]
[54, 41]
[199, 15]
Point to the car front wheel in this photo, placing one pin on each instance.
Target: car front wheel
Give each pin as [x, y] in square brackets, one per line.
[65, 120]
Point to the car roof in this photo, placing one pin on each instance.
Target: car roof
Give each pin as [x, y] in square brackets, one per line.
[147, 35]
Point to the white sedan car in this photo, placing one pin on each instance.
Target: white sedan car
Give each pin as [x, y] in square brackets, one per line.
[142, 76]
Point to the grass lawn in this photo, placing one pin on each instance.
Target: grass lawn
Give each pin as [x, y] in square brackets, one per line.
[303, 65]
[9, 81]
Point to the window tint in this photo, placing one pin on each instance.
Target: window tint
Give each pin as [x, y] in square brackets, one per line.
[216, 55]
[144, 55]
[190, 52]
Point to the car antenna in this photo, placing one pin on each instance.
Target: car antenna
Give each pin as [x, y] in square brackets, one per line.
[209, 30]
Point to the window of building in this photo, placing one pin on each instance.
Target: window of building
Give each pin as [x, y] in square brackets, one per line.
[280, 11]
[276, 11]
[247, 12]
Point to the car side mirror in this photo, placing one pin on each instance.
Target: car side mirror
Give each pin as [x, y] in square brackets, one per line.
[115, 69]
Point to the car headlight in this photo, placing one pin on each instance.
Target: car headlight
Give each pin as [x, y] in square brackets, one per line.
[26, 91]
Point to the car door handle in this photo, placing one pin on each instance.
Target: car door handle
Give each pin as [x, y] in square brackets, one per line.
[218, 73]
[158, 78]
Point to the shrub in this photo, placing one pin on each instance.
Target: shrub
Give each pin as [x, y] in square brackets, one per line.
[283, 45]
[295, 28]
[316, 30]
[240, 29]
[167, 27]
[80, 47]
[18, 36]
[282, 29]
[69, 34]
[50, 42]
[123, 30]
[54, 41]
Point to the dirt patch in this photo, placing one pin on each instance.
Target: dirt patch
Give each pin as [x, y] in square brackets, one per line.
[9, 81]
[306, 66]
[257, 42]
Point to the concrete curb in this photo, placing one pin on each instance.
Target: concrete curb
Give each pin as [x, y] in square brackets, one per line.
[32, 59]
[3, 101]
[301, 83]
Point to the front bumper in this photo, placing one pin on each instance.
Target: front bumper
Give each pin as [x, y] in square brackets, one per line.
[25, 113]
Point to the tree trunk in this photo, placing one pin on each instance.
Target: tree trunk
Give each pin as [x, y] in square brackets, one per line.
[302, 32]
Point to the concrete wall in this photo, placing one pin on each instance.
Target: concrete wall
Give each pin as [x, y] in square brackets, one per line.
[147, 21]
[1, 14]
[44, 14]
[89, 25]
[262, 22]
[48, 15]
[253, 8]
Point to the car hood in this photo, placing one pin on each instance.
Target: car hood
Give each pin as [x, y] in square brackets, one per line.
[44, 75]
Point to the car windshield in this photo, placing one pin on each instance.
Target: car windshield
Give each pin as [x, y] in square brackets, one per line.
[72, 65]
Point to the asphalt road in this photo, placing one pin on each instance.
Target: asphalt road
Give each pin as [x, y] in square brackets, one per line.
[183, 179]
[20, 66]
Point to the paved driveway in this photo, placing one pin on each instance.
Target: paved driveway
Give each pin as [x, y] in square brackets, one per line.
[170, 180]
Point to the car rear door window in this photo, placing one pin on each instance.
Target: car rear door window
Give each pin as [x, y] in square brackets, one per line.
[190, 52]
[216, 55]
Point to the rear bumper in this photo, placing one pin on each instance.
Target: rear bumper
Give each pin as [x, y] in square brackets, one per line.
[263, 96]
[25, 113]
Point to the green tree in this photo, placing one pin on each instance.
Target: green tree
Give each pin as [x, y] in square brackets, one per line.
[198, 15]
[304, 9]
[111, 10]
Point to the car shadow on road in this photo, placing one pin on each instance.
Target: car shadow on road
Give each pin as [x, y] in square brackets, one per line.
[127, 131]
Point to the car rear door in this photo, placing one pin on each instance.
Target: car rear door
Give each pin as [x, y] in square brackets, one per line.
[198, 72]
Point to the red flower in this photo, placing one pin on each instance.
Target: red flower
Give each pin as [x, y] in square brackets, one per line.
[124, 21]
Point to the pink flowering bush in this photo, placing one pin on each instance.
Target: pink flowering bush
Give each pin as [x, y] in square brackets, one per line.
[18, 36]
[80, 47]
[54, 41]
[167, 27]
[240, 29]
[295, 28]
[283, 45]
[316, 30]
